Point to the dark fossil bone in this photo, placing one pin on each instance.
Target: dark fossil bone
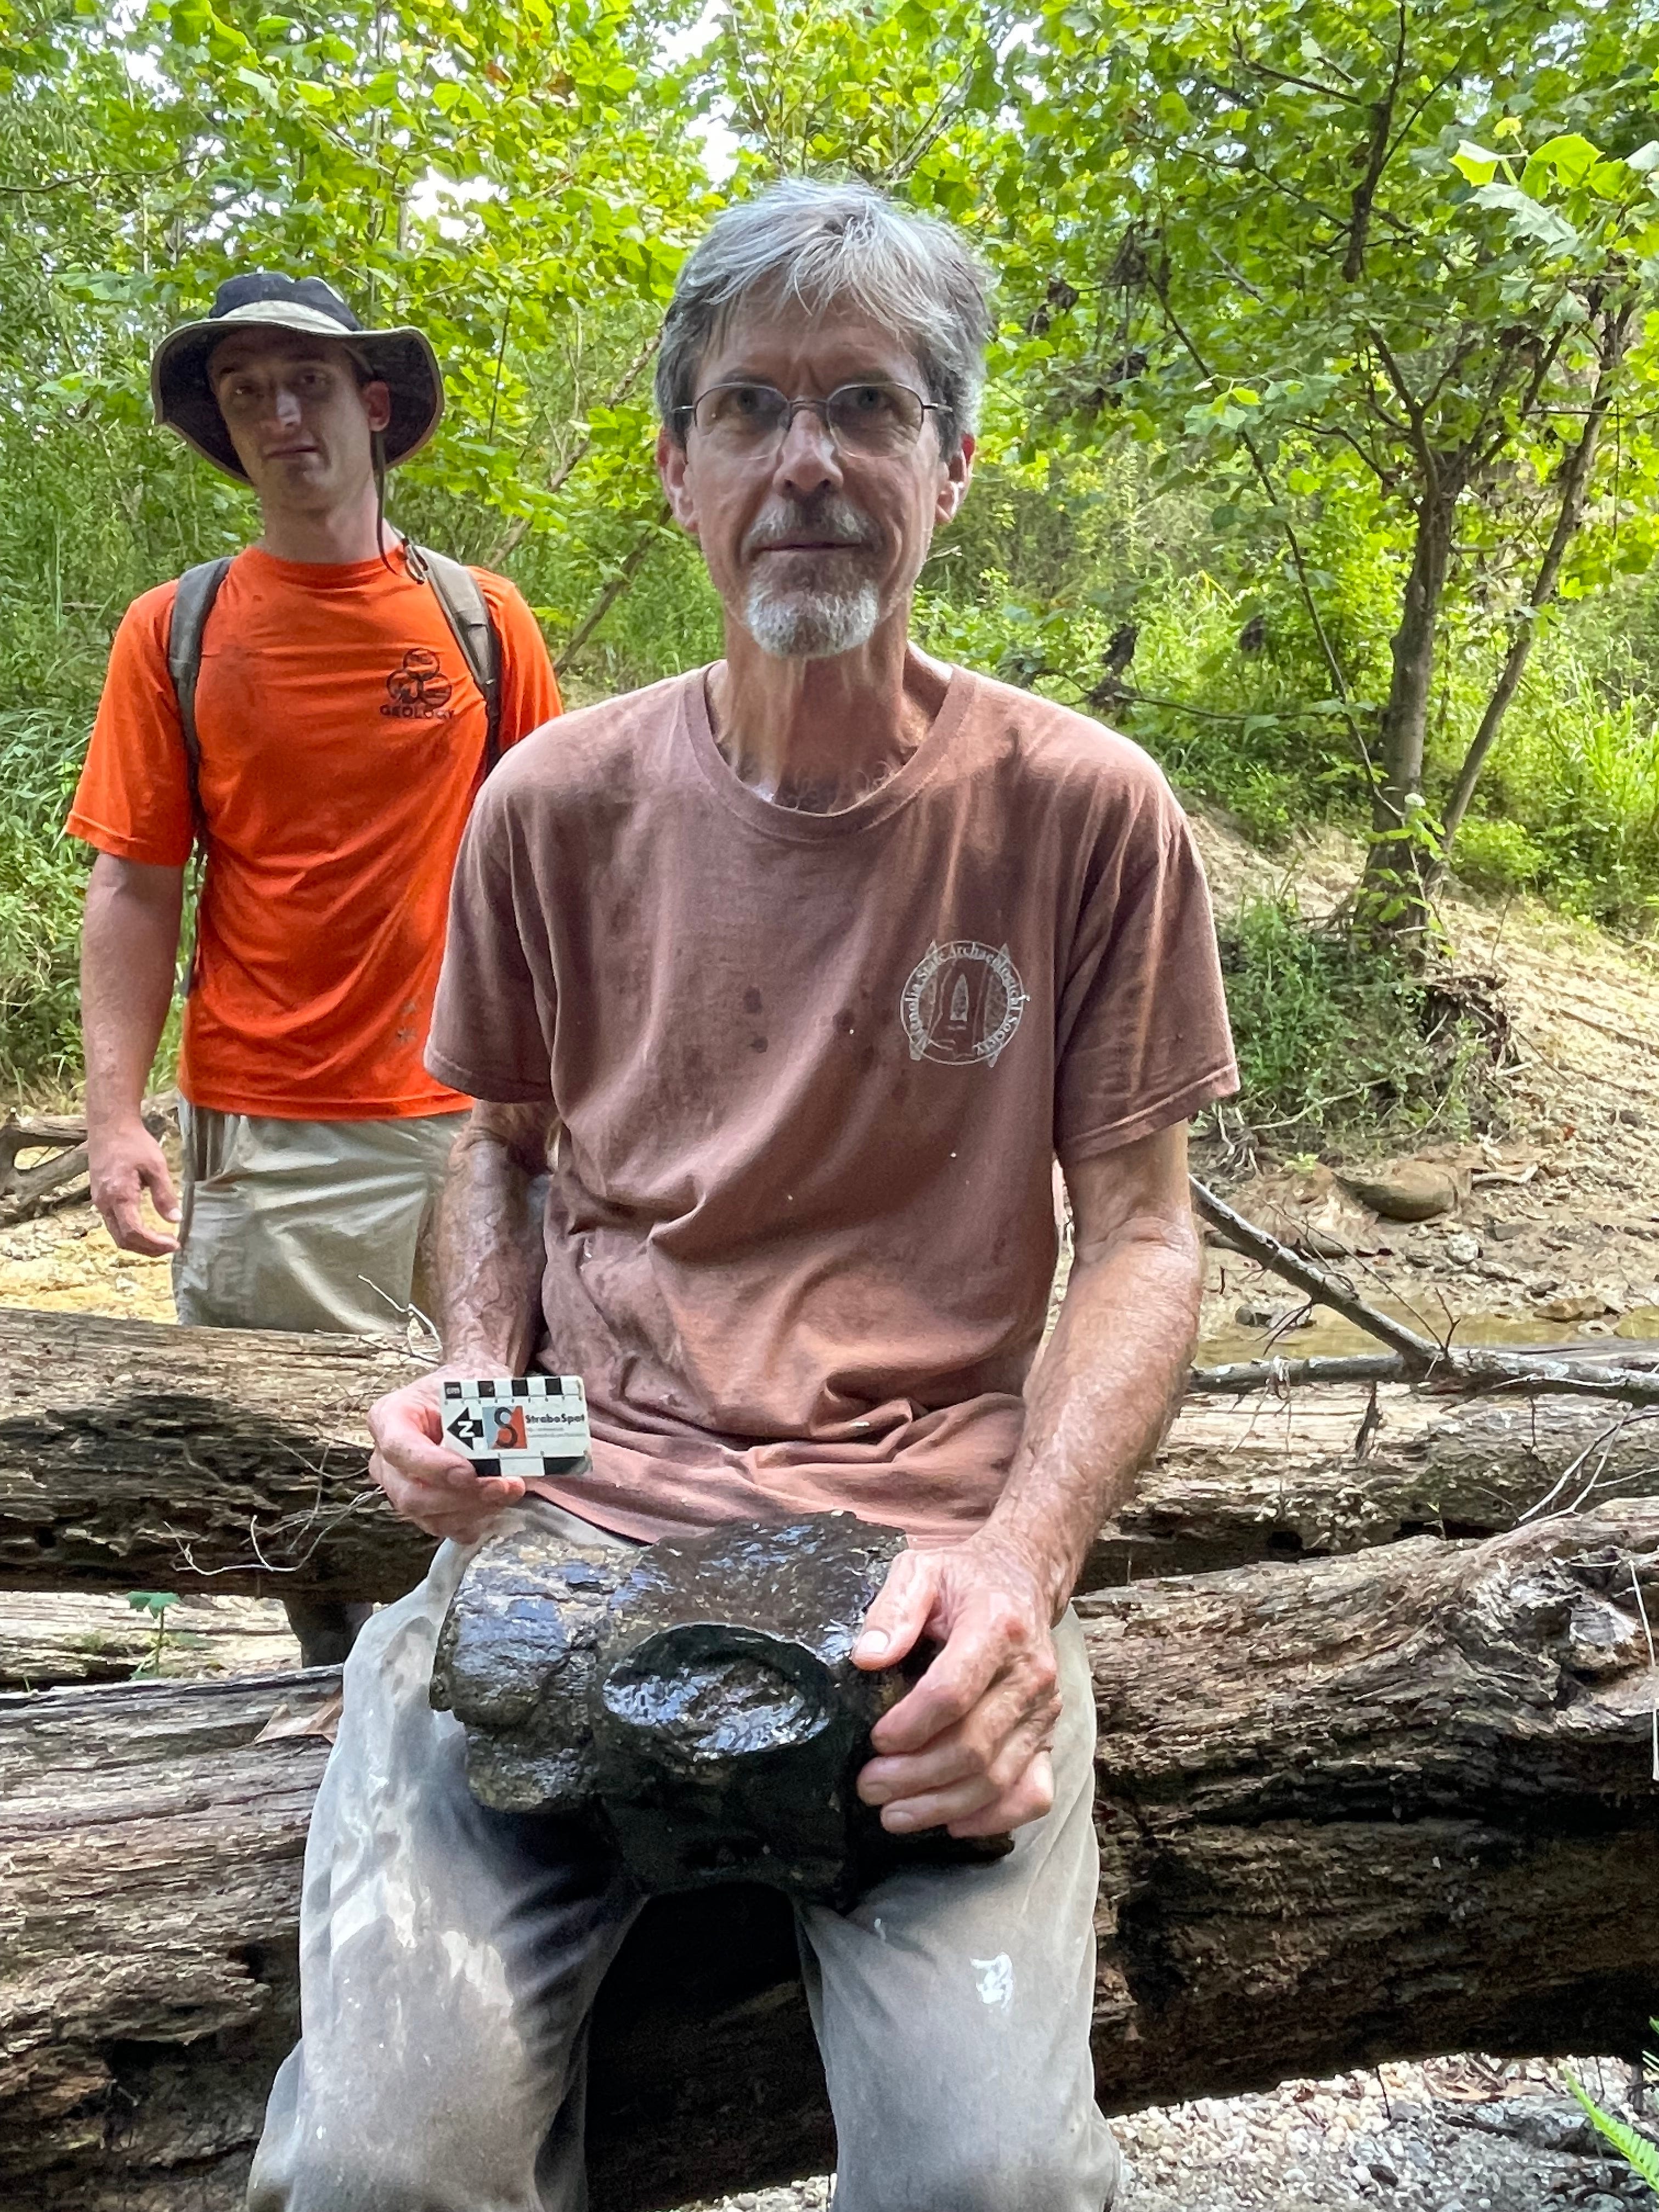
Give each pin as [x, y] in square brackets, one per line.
[698, 1695]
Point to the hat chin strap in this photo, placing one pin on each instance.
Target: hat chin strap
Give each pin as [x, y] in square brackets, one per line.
[377, 455]
[413, 561]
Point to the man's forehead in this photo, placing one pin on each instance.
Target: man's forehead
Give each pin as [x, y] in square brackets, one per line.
[790, 343]
[242, 347]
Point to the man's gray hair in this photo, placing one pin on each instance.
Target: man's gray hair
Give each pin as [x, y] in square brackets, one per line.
[828, 245]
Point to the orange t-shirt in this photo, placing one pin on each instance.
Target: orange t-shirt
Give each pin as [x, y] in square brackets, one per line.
[343, 740]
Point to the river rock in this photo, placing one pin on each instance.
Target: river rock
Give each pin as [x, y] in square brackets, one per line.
[1576, 1305]
[1405, 1190]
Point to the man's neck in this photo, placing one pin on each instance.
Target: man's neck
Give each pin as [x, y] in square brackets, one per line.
[820, 735]
[332, 537]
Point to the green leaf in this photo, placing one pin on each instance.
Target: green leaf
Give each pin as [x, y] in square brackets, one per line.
[154, 1602]
[1476, 163]
[1639, 2151]
[1570, 157]
[1530, 218]
[260, 85]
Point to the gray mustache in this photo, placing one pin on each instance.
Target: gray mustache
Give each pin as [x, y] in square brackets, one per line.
[835, 520]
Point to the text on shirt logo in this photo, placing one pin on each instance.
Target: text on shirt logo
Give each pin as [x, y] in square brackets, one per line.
[962, 1004]
[420, 690]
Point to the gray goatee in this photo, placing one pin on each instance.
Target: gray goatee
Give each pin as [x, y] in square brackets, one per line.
[829, 604]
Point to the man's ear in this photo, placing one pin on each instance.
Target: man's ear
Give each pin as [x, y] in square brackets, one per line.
[953, 485]
[671, 469]
[377, 404]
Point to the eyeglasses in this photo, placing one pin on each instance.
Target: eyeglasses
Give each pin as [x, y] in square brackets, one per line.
[861, 418]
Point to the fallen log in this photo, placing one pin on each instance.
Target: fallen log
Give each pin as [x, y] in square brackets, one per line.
[134, 1455]
[1331, 1471]
[53, 1636]
[1385, 1805]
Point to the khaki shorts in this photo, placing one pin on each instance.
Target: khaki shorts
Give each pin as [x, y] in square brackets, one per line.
[307, 1224]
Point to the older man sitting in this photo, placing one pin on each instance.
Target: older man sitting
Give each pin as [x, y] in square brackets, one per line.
[803, 968]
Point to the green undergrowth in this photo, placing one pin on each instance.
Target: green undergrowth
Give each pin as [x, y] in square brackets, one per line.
[42, 879]
[1338, 1037]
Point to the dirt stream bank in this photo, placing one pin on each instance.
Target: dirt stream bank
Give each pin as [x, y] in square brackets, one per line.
[1554, 1235]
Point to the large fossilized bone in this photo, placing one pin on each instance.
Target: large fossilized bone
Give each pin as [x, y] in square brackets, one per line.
[698, 1695]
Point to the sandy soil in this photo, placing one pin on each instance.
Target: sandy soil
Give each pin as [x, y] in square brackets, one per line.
[1556, 1232]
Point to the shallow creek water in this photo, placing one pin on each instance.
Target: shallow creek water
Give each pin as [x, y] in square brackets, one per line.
[1326, 1334]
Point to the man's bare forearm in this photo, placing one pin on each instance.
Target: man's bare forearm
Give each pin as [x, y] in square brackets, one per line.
[129, 947]
[489, 1239]
[1106, 1388]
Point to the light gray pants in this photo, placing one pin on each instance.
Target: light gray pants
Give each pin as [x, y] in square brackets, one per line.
[450, 1957]
[306, 1224]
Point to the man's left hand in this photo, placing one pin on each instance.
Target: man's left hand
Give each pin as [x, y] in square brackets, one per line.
[967, 1748]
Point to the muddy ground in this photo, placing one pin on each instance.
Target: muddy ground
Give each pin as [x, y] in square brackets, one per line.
[1555, 1232]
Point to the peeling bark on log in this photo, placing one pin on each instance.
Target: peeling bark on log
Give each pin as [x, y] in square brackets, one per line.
[1376, 1807]
[133, 1454]
[1261, 1481]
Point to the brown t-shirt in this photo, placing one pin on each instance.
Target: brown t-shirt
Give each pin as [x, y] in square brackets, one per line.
[813, 1071]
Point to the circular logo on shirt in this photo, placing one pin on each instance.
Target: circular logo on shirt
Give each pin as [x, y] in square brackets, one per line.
[420, 690]
[962, 1004]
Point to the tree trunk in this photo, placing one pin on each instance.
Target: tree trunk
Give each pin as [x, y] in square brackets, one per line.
[1576, 473]
[1396, 861]
[135, 1455]
[1235, 1484]
[1370, 1808]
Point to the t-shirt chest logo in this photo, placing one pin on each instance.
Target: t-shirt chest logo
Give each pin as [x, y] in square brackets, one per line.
[418, 689]
[962, 1004]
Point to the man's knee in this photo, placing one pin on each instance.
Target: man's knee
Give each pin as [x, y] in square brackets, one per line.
[997, 2168]
[317, 2179]
[376, 2148]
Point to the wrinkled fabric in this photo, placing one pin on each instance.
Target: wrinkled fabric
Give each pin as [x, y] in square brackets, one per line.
[306, 1224]
[343, 738]
[812, 1073]
[451, 1956]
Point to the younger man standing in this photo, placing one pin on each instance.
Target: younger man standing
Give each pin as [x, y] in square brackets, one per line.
[339, 735]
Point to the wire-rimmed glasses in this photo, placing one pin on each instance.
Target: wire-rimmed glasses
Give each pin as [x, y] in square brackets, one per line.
[869, 416]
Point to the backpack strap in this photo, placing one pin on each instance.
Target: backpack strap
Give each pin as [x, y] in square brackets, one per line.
[192, 604]
[465, 610]
[198, 588]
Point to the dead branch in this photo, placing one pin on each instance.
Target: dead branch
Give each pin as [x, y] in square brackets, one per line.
[1447, 1367]
[60, 1179]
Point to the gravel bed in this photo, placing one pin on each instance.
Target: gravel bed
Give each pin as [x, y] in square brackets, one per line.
[1461, 2135]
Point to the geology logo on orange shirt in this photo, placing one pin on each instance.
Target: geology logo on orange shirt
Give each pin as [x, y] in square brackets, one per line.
[420, 690]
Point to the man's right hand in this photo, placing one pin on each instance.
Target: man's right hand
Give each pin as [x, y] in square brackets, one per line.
[124, 1163]
[426, 1482]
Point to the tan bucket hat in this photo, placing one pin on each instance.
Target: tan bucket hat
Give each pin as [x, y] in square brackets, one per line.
[402, 359]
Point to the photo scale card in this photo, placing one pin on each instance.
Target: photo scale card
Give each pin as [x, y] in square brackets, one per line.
[523, 1425]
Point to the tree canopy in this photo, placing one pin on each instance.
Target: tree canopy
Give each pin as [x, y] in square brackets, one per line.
[1321, 411]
